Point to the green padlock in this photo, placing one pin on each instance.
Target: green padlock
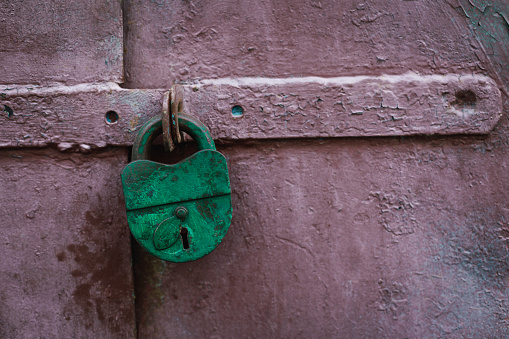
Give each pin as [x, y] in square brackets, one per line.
[178, 212]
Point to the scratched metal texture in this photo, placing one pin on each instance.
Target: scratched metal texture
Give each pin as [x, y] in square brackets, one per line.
[371, 238]
[488, 23]
[172, 40]
[408, 104]
[402, 105]
[50, 41]
[66, 261]
[381, 238]
[66, 257]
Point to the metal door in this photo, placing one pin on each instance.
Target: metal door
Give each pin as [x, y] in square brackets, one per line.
[367, 148]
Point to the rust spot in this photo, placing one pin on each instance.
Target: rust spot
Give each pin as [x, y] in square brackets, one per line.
[465, 98]
[101, 285]
[76, 273]
[99, 271]
[92, 218]
[99, 309]
[61, 256]
[204, 207]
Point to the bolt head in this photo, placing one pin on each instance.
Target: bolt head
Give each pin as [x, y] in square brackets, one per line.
[181, 212]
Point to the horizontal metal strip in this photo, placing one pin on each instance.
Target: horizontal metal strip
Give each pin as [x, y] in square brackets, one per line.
[256, 108]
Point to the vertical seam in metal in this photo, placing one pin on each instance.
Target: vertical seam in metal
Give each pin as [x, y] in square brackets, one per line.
[125, 31]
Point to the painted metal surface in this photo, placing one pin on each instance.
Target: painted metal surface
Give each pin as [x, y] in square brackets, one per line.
[46, 42]
[66, 257]
[178, 212]
[371, 238]
[172, 40]
[487, 22]
[390, 105]
[365, 237]
[66, 267]
[380, 238]
[360, 106]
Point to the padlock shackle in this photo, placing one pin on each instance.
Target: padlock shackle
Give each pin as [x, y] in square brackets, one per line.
[154, 127]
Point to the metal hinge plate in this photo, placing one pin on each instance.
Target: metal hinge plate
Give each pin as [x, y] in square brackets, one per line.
[98, 115]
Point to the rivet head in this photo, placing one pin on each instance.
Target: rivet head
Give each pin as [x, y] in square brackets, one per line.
[181, 212]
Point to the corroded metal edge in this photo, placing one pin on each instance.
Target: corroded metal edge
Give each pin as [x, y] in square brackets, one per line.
[360, 106]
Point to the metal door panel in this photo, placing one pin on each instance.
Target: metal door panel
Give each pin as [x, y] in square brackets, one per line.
[65, 268]
[352, 237]
[383, 237]
[50, 41]
[66, 261]
[172, 40]
[367, 239]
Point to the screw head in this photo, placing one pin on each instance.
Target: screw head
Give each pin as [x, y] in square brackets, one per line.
[181, 212]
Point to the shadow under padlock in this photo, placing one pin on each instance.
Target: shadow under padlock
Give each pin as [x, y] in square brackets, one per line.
[178, 212]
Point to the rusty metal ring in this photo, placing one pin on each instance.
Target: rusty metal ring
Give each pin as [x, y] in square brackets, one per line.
[169, 145]
[176, 108]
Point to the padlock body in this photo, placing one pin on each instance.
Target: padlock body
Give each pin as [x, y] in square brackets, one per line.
[153, 191]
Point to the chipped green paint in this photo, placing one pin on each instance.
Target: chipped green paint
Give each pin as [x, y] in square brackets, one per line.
[178, 212]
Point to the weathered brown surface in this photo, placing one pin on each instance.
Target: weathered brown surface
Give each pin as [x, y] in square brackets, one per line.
[169, 40]
[65, 270]
[362, 106]
[352, 238]
[409, 104]
[487, 22]
[75, 116]
[385, 238]
[47, 41]
[66, 257]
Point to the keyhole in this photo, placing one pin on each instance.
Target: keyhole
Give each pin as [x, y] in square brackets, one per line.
[185, 241]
